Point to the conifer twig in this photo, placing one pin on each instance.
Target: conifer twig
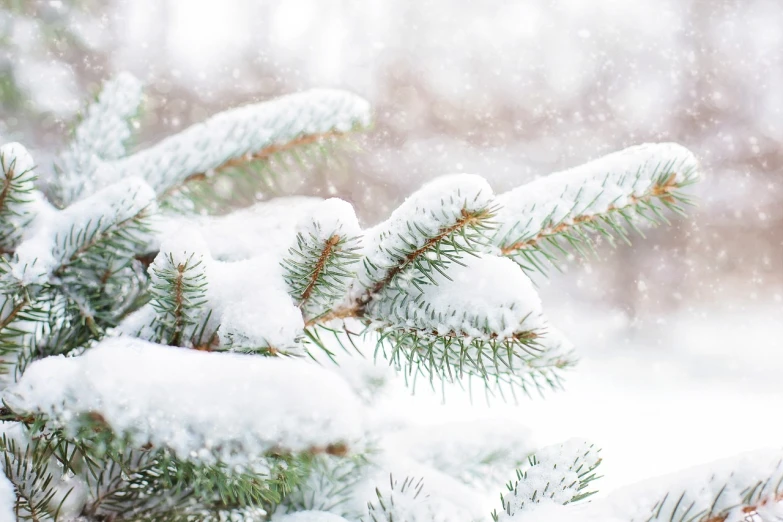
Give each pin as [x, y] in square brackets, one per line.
[467, 219]
[262, 154]
[542, 219]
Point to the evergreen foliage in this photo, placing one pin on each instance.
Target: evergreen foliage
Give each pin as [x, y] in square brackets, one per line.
[178, 295]
[144, 417]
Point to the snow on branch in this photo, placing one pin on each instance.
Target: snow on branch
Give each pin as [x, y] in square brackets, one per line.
[439, 224]
[539, 219]
[74, 274]
[266, 227]
[743, 488]
[557, 474]
[178, 295]
[319, 267]
[72, 243]
[480, 297]
[251, 299]
[39, 488]
[479, 454]
[480, 317]
[207, 304]
[16, 194]
[100, 136]
[201, 406]
[407, 500]
[246, 133]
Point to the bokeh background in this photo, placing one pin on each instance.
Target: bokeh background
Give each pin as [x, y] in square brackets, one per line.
[681, 333]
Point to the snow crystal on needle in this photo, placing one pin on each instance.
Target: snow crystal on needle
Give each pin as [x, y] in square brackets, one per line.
[485, 297]
[245, 130]
[201, 405]
[435, 206]
[71, 229]
[590, 189]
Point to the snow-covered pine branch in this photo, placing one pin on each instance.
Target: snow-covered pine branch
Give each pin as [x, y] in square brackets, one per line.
[204, 407]
[481, 455]
[16, 196]
[319, 267]
[117, 313]
[480, 318]
[407, 500]
[69, 245]
[423, 272]
[556, 475]
[203, 422]
[73, 274]
[541, 219]
[179, 298]
[431, 230]
[102, 135]
[200, 302]
[406, 283]
[247, 133]
[748, 487]
[39, 489]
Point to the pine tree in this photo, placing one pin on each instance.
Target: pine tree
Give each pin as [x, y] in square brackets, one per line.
[163, 364]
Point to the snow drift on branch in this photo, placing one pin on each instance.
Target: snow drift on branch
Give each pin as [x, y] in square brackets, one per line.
[244, 131]
[630, 178]
[200, 405]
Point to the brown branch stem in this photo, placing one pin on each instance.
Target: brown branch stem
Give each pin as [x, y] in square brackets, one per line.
[319, 267]
[12, 315]
[178, 299]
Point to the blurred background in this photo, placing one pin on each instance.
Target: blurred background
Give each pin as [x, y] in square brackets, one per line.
[681, 334]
